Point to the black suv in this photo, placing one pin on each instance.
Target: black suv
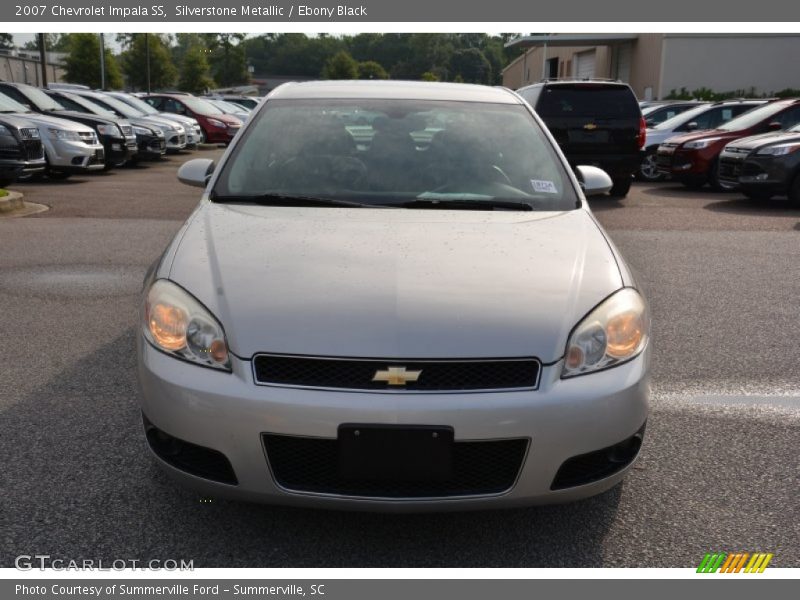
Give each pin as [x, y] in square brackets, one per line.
[595, 123]
[21, 150]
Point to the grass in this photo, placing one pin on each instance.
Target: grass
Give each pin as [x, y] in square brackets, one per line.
[3, 192]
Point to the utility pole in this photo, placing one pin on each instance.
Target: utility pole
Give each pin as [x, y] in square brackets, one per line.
[102, 61]
[147, 53]
[43, 58]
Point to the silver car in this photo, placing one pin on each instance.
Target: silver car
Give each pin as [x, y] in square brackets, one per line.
[426, 318]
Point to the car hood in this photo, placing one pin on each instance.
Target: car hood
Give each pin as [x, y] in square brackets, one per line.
[395, 283]
[176, 118]
[701, 135]
[773, 137]
[48, 121]
[227, 119]
[84, 117]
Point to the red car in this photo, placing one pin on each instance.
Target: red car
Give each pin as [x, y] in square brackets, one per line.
[218, 128]
[693, 158]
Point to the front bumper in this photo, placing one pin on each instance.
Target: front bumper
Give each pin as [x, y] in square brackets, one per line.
[228, 413]
[74, 156]
[769, 173]
[176, 141]
[150, 146]
[681, 164]
[119, 150]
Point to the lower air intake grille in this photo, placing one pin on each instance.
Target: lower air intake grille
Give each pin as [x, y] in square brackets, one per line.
[311, 465]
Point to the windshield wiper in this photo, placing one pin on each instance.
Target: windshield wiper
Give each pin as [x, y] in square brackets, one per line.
[289, 200]
[443, 204]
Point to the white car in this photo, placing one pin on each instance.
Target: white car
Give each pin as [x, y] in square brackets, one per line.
[69, 147]
[413, 322]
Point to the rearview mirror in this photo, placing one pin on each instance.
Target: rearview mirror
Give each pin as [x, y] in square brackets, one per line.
[196, 172]
[594, 181]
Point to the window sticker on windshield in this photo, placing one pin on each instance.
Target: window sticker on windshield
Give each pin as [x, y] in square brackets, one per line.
[543, 187]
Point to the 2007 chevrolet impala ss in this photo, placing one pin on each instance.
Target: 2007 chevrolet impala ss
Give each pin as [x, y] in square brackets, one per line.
[394, 296]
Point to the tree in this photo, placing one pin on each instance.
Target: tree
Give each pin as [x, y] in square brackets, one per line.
[134, 61]
[227, 58]
[428, 76]
[194, 71]
[82, 63]
[471, 65]
[340, 66]
[6, 41]
[371, 70]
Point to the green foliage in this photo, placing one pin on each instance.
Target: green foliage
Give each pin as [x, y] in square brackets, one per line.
[6, 41]
[710, 95]
[54, 42]
[194, 76]
[788, 93]
[82, 63]
[428, 76]
[370, 69]
[471, 66]
[340, 66]
[134, 61]
[227, 57]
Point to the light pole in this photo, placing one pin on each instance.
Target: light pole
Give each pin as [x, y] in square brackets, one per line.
[147, 53]
[43, 58]
[102, 61]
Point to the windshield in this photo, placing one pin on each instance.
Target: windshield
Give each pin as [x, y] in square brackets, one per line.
[201, 106]
[685, 117]
[40, 99]
[381, 152]
[138, 104]
[118, 106]
[754, 117]
[9, 105]
[88, 105]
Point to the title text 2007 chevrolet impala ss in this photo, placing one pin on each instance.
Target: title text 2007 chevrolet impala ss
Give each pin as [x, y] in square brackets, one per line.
[394, 296]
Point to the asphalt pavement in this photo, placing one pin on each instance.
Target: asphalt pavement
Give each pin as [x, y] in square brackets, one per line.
[719, 469]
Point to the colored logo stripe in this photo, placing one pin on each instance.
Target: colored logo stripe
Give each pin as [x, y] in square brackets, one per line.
[735, 562]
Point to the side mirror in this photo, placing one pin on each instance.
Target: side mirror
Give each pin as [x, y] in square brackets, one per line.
[691, 126]
[649, 122]
[196, 172]
[593, 180]
[774, 126]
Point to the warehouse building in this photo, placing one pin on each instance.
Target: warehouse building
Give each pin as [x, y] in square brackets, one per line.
[657, 63]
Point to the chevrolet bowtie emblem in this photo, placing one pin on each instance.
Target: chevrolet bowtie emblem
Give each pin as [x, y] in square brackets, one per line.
[590, 126]
[396, 376]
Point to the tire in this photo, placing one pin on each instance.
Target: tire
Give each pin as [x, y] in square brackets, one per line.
[647, 171]
[794, 192]
[203, 136]
[621, 187]
[758, 195]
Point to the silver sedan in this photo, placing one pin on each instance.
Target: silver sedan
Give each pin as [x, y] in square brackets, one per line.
[394, 296]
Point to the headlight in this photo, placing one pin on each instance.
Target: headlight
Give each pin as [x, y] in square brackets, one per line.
[142, 130]
[779, 149]
[179, 325]
[614, 332]
[216, 123]
[64, 134]
[698, 144]
[109, 130]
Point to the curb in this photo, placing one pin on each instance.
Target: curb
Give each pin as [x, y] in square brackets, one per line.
[14, 206]
[11, 202]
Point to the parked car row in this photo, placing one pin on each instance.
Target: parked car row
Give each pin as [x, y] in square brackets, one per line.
[63, 130]
[717, 155]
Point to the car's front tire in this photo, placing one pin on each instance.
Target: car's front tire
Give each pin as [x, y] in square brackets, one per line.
[648, 170]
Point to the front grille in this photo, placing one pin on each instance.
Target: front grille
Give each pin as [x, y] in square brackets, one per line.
[311, 465]
[729, 169]
[29, 133]
[434, 375]
[32, 149]
[597, 465]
